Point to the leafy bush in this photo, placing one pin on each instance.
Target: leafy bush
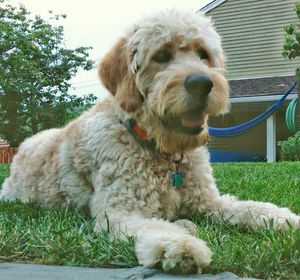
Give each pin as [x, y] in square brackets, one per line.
[290, 149]
[291, 46]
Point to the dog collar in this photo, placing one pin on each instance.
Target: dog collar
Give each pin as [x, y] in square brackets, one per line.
[139, 134]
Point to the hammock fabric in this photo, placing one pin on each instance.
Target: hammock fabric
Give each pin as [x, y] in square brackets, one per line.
[242, 128]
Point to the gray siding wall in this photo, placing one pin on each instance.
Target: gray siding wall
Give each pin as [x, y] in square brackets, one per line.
[252, 32]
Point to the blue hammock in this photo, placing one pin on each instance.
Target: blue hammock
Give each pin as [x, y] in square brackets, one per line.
[242, 128]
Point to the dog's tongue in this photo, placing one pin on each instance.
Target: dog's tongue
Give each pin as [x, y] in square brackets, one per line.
[193, 121]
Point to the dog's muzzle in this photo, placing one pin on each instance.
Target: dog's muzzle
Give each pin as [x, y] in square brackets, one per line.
[191, 122]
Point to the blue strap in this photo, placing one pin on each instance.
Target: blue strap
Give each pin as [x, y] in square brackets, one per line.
[242, 128]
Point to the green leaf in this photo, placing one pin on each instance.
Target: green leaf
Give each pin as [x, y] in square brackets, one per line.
[36, 68]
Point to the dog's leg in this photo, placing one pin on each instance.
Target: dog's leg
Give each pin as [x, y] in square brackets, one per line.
[255, 214]
[159, 243]
[206, 199]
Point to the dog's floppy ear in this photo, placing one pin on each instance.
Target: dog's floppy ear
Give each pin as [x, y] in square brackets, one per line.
[115, 74]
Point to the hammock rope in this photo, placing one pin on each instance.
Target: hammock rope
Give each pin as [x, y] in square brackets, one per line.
[242, 128]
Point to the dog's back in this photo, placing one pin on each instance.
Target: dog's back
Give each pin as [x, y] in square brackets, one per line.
[51, 167]
[33, 167]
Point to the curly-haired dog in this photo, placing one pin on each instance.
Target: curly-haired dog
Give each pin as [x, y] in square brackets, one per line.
[138, 158]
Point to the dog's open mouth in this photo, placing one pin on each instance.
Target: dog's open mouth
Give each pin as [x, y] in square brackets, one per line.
[189, 123]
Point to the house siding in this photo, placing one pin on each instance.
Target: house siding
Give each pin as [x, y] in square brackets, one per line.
[252, 33]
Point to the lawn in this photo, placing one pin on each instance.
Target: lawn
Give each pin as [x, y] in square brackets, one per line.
[32, 234]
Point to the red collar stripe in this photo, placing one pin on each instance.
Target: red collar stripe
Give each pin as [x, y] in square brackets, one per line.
[140, 132]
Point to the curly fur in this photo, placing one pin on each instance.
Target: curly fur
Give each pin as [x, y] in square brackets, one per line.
[95, 162]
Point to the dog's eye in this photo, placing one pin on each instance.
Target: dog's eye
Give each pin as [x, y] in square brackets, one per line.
[162, 57]
[202, 54]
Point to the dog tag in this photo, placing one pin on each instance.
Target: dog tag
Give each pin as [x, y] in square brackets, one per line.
[177, 178]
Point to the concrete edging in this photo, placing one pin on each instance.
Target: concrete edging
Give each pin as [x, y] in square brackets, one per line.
[14, 271]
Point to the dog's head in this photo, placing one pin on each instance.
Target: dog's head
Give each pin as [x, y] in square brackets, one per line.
[168, 73]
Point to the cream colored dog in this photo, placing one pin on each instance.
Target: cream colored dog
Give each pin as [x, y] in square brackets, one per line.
[138, 158]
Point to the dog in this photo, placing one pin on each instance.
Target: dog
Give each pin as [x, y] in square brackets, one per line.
[138, 159]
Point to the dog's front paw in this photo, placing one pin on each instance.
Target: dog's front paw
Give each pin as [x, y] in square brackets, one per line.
[188, 225]
[287, 222]
[176, 253]
[283, 219]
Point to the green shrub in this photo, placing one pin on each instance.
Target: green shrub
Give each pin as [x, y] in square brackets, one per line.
[290, 149]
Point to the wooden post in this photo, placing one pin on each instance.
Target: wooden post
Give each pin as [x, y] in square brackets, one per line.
[6, 155]
[271, 138]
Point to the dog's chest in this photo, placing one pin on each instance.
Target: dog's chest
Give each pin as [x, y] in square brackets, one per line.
[131, 175]
[158, 190]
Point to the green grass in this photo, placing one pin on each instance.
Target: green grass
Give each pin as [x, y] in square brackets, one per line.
[32, 234]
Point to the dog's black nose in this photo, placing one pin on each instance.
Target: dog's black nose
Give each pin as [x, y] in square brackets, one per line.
[198, 85]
